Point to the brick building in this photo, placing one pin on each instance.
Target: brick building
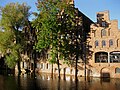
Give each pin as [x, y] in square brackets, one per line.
[105, 42]
[83, 28]
[102, 52]
[101, 46]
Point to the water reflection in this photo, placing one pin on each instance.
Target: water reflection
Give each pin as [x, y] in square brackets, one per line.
[45, 82]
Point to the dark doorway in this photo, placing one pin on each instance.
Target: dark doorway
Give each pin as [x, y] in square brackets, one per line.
[105, 75]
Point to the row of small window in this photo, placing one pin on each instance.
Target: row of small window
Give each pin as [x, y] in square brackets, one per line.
[104, 43]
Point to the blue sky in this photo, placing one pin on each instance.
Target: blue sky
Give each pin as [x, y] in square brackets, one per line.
[88, 7]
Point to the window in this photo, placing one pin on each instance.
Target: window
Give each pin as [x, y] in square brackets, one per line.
[103, 32]
[110, 42]
[101, 57]
[47, 66]
[94, 33]
[38, 65]
[41, 66]
[109, 32]
[103, 43]
[115, 57]
[117, 70]
[103, 24]
[96, 43]
[118, 42]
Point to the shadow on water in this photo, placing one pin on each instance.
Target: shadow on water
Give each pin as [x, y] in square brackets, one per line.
[45, 82]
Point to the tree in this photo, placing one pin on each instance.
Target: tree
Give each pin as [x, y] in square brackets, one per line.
[56, 30]
[46, 23]
[14, 17]
[48, 28]
[71, 34]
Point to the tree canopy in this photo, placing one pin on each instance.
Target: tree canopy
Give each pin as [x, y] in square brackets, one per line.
[14, 17]
[58, 30]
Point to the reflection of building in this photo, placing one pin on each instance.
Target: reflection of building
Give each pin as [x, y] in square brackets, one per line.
[105, 42]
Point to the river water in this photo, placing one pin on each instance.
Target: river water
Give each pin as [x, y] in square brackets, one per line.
[45, 82]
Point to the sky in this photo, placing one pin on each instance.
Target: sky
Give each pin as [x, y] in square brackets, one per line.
[88, 7]
[91, 7]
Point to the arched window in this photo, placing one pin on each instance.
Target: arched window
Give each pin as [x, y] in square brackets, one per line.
[96, 43]
[41, 66]
[109, 32]
[103, 32]
[103, 43]
[117, 70]
[118, 42]
[110, 42]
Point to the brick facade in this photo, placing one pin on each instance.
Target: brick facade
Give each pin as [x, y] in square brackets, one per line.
[105, 41]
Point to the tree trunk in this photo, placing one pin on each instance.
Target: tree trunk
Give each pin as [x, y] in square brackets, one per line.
[76, 70]
[77, 53]
[58, 67]
[64, 70]
[34, 59]
[52, 71]
[19, 68]
[84, 60]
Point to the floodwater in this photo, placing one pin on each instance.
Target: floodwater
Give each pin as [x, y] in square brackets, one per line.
[45, 82]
